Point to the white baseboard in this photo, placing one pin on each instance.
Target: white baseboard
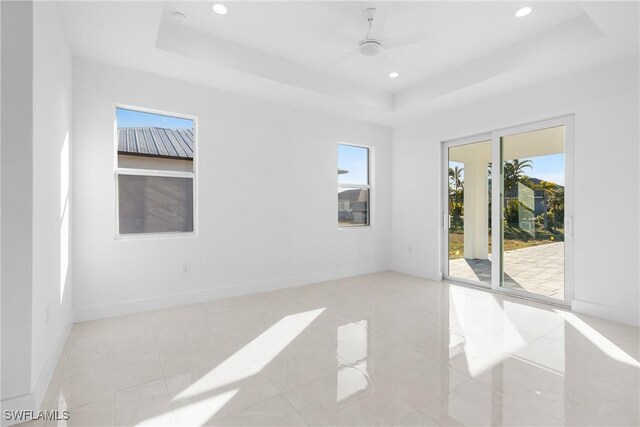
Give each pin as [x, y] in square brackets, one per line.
[146, 304]
[415, 271]
[616, 314]
[18, 403]
[33, 400]
[44, 379]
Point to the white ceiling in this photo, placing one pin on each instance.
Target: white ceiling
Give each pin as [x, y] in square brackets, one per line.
[287, 50]
[462, 32]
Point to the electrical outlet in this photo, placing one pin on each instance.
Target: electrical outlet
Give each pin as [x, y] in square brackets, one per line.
[186, 268]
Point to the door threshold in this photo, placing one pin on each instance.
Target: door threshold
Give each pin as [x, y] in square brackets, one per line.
[560, 304]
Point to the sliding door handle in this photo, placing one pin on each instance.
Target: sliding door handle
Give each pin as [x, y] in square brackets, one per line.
[569, 226]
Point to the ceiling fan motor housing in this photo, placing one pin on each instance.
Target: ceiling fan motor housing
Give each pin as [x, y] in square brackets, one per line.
[370, 47]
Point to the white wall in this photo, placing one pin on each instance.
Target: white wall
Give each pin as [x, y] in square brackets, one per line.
[35, 166]
[52, 95]
[605, 103]
[267, 198]
[16, 203]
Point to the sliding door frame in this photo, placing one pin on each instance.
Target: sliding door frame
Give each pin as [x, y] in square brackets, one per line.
[497, 195]
[446, 145]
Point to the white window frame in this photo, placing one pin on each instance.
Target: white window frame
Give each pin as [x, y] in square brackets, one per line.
[193, 175]
[369, 186]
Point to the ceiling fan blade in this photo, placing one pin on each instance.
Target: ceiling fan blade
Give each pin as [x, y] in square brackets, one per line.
[379, 23]
[334, 35]
[351, 54]
[408, 39]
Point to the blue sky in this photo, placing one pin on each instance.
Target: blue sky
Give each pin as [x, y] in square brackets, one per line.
[548, 168]
[132, 119]
[353, 159]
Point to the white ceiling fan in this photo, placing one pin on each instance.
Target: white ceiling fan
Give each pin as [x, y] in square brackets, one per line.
[369, 46]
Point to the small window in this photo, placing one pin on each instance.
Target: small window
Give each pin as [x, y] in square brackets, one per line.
[354, 189]
[155, 173]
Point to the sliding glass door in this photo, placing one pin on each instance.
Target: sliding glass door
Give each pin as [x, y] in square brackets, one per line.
[510, 227]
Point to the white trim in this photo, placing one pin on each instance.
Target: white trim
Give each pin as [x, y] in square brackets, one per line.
[33, 401]
[353, 144]
[18, 403]
[496, 213]
[355, 227]
[413, 271]
[522, 295]
[154, 111]
[533, 296]
[227, 291]
[480, 137]
[154, 172]
[193, 175]
[444, 211]
[166, 235]
[615, 314]
[46, 374]
[363, 186]
[537, 125]
[569, 208]
[476, 283]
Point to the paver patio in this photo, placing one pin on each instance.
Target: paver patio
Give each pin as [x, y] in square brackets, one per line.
[536, 269]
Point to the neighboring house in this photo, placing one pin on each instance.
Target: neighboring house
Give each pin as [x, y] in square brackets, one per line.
[356, 195]
[353, 205]
[156, 148]
[538, 195]
[158, 203]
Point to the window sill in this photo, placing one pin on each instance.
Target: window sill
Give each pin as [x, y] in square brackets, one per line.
[356, 227]
[156, 236]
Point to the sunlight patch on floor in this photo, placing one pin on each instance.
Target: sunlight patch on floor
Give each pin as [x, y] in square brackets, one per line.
[480, 322]
[598, 340]
[246, 362]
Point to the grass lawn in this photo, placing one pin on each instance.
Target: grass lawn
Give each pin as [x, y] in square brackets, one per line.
[514, 238]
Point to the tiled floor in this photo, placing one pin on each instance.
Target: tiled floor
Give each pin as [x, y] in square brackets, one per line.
[381, 349]
[537, 269]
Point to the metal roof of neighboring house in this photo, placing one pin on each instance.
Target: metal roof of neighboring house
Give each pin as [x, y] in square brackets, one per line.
[354, 195]
[156, 142]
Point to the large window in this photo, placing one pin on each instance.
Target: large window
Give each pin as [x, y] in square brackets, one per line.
[354, 189]
[155, 173]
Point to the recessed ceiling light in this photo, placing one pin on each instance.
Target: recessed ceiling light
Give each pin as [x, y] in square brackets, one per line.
[523, 11]
[220, 9]
[394, 74]
[178, 16]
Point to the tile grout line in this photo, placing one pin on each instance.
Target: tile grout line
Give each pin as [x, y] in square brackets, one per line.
[295, 409]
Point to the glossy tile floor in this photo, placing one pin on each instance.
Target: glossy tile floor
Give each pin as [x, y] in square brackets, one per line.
[536, 269]
[381, 349]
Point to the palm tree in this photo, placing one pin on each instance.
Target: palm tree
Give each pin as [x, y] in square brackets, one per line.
[455, 177]
[456, 194]
[514, 172]
[548, 189]
[556, 205]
